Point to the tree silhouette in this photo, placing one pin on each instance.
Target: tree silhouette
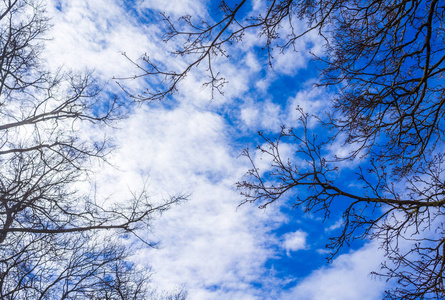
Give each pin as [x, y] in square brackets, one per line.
[52, 238]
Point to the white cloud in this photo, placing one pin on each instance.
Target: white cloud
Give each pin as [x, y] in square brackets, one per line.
[217, 250]
[336, 225]
[297, 56]
[294, 241]
[266, 116]
[313, 101]
[281, 61]
[93, 35]
[175, 7]
[249, 116]
[347, 278]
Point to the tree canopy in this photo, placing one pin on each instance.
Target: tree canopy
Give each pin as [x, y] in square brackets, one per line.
[59, 240]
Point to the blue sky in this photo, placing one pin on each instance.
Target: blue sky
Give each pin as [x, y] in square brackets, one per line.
[191, 144]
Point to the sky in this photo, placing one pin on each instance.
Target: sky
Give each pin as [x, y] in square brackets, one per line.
[191, 144]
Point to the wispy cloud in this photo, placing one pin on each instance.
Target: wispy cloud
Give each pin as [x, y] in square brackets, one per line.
[348, 278]
[294, 241]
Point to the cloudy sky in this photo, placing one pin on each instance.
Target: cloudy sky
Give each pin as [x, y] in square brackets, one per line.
[191, 144]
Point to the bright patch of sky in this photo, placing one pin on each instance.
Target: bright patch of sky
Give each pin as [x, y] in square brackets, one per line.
[191, 145]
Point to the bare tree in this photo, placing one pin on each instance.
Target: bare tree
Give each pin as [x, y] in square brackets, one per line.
[52, 239]
[384, 62]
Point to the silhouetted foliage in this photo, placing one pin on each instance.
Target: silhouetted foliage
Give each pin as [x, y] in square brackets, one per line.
[383, 61]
